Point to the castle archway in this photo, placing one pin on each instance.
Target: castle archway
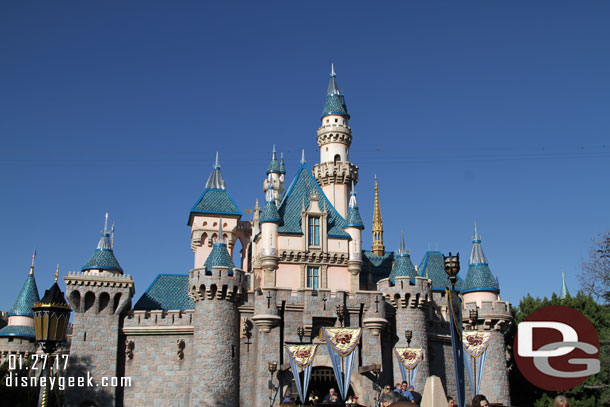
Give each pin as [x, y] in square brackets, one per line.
[321, 381]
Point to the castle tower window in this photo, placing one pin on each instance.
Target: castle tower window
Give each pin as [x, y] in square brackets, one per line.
[337, 158]
[313, 277]
[314, 231]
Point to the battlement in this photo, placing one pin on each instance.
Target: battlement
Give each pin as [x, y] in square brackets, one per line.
[158, 322]
[99, 292]
[334, 133]
[405, 292]
[341, 172]
[493, 314]
[104, 278]
[219, 283]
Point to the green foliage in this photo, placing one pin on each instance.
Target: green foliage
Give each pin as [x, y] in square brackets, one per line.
[595, 391]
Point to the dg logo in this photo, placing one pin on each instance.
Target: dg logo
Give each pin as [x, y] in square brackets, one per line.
[557, 348]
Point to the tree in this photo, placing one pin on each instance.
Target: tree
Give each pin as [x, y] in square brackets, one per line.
[595, 391]
[595, 274]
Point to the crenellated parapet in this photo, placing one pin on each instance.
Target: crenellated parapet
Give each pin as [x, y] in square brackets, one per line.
[219, 284]
[492, 315]
[405, 292]
[334, 132]
[99, 292]
[340, 172]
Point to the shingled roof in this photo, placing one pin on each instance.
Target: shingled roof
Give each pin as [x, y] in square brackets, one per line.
[167, 292]
[298, 193]
[27, 297]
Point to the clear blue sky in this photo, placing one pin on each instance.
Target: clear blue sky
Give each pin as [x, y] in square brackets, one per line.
[494, 111]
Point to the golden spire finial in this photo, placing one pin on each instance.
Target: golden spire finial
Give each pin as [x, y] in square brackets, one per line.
[32, 266]
[378, 247]
[57, 273]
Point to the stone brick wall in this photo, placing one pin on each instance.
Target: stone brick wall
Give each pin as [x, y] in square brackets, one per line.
[16, 346]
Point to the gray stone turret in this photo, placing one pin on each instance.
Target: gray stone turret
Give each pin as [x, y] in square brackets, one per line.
[409, 298]
[217, 290]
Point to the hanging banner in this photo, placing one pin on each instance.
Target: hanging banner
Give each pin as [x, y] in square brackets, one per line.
[455, 321]
[475, 344]
[301, 357]
[409, 359]
[341, 343]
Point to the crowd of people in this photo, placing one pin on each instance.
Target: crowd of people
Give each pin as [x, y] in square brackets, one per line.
[401, 392]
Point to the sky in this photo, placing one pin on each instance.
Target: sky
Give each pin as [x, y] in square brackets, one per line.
[488, 111]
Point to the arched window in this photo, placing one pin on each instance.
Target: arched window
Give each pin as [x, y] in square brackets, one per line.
[337, 158]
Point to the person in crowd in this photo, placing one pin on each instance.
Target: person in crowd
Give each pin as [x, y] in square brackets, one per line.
[561, 401]
[397, 388]
[416, 395]
[479, 401]
[450, 402]
[334, 400]
[389, 397]
[329, 396]
[287, 398]
[405, 392]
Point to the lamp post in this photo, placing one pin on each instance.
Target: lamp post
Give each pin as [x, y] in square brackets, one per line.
[474, 317]
[272, 370]
[408, 336]
[51, 316]
[340, 313]
[452, 268]
[301, 333]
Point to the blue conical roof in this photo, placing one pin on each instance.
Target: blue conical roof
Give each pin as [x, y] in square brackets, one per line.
[564, 288]
[335, 101]
[282, 165]
[432, 267]
[269, 212]
[402, 267]
[103, 257]
[215, 198]
[219, 256]
[26, 298]
[274, 164]
[353, 218]
[479, 277]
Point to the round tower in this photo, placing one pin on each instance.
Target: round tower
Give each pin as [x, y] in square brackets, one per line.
[217, 289]
[269, 220]
[410, 297]
[18, 336]
[481, 292]
[335, 173]
[354, 227]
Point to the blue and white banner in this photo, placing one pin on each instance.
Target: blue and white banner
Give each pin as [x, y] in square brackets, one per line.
[301, 357]
[475, 344]
[408, 361]
[455, 319]
[341, 343]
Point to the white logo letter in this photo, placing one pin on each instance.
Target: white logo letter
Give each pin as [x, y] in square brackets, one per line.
[526, 338]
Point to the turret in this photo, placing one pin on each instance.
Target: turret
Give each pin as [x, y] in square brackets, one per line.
[481, 291]
[402, 267]
[99, 296]
[354, 227]
[18, 337]
[214, 203]
[269, 220]
[103, 259]
[217, 288]
[275, 177]
[479, 285]
[335, 172]
[564, 287]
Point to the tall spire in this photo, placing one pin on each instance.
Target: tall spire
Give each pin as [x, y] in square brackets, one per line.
[564, 287]
[221, 237]
[274, 165]
[303, 156]
[402, 250]
[32, 266]
[335, 101]
[378, 247]
[215, 180]
[353, 218]
[477, 256]
[282, 164]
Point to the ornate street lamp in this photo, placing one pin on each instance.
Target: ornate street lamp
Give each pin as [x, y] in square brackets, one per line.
[272, 388]
[340, 313]
[452, 268]
[301, 333]
[408, 336]
[51, 317]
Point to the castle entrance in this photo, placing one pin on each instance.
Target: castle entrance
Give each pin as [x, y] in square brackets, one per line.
[321, 381]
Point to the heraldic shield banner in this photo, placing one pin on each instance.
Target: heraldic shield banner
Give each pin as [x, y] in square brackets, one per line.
[301, 357]
[408, 359]
[475, 344]
[341, 343]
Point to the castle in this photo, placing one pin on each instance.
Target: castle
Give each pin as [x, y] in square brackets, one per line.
[207, 337]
